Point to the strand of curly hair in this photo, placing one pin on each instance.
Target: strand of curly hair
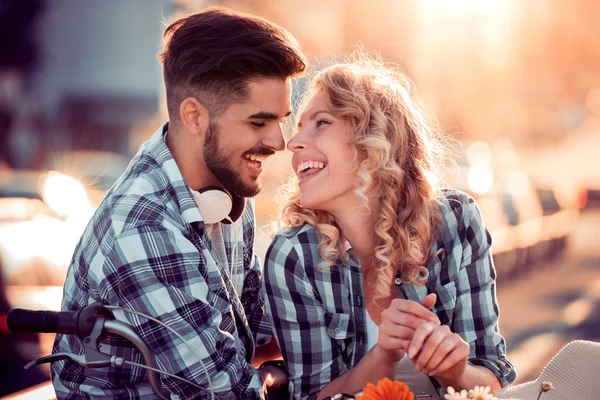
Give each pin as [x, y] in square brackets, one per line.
[398, 152]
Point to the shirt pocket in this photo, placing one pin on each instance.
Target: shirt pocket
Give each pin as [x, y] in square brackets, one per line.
[339, 326]
[446, 298]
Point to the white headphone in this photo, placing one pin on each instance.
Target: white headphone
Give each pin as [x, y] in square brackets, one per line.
[217, 204]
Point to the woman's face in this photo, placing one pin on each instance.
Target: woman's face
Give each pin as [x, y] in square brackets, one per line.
[323, 158]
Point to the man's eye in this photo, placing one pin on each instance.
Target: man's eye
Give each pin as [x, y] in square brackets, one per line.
[322, 122]
[258, 124]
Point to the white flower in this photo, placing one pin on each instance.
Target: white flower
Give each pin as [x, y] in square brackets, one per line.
[454, 395]
[482, 393]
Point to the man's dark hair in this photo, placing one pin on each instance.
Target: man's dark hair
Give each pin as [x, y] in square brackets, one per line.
[213, 54]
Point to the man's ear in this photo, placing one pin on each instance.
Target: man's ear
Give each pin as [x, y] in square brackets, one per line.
[194, 116]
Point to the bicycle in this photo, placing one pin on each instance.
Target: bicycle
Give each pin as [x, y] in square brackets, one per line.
[91, 324]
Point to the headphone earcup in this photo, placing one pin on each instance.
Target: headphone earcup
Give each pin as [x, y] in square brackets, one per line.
[214, 203]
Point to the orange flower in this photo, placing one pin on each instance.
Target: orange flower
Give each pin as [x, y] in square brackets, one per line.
[386, 390]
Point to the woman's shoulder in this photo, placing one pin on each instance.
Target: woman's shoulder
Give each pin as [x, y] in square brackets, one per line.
[303, 234]
[455, 208]
[455, 198]
[299, 239]
[454, 202]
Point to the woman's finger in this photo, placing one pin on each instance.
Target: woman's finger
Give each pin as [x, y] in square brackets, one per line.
[419, 337]
[390, 343]
[397, 331]
[444, 348]
[414, 308]
[430, 347]
[401, 318]
[459, 355]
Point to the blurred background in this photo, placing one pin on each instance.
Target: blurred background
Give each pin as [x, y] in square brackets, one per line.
[516, 82]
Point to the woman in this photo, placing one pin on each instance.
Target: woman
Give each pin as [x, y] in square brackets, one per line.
[379, 273]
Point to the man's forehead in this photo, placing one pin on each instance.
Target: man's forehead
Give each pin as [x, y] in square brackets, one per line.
[268, 98]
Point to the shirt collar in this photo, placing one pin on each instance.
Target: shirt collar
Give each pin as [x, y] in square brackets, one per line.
[157, 148]
[347, 245]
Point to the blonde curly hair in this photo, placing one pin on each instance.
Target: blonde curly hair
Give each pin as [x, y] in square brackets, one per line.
[397, 154]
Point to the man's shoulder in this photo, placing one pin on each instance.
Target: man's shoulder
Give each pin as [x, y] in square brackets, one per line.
[141, 197]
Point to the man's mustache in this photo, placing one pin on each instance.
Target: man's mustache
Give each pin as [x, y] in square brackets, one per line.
[260, 151]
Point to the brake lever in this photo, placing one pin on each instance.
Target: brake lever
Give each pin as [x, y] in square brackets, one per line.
[91, 357]
[100, 360]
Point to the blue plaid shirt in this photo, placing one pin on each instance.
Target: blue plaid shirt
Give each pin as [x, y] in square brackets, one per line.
[319, 316]
[147, 249]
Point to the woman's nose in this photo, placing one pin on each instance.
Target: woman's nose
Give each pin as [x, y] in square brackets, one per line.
[296, 143]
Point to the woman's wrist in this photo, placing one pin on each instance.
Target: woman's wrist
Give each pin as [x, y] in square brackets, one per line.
[471, 376]
[390, 357]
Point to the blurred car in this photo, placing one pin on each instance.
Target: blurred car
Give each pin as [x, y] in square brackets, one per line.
[520, 219]
[42, 216]
[561, 205]
[96, 170]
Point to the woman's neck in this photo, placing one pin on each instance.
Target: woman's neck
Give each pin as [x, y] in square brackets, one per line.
[357, 224]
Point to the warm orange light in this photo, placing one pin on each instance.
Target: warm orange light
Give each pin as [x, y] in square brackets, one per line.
[269, 380]
[461, 7]
[480, 180]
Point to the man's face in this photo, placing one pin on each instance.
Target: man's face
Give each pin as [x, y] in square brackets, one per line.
[240, 139]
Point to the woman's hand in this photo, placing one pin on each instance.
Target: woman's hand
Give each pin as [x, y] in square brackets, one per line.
[399, 322]
[438, 352]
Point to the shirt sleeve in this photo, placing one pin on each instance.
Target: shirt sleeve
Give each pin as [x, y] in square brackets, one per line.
[313, 358]
[258, 318]
[253, 296]
[157, 271]
[477, 312]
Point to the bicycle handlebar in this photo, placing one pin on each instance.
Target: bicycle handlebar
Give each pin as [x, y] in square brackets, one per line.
[88, 324]
[80, 323]
[21, 320]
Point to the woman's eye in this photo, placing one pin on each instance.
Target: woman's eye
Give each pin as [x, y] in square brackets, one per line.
[322, 122]
[258, 124]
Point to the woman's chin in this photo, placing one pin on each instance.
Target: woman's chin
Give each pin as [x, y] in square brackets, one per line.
[312, 202]
[308, 201]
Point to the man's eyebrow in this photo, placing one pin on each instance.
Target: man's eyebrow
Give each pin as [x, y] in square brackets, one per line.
[267, 115]
[312, 116]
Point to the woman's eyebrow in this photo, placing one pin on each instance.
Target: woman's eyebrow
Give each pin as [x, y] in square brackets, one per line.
[312, 116]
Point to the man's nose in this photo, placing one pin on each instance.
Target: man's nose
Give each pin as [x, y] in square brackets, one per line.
[275, 139]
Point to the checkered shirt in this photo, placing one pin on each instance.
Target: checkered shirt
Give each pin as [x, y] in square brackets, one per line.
[319, 316]
[146, 248]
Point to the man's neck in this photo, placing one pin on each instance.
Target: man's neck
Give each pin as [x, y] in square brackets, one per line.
[189, 157]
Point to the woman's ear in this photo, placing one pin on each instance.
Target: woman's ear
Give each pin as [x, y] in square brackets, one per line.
[194, 116]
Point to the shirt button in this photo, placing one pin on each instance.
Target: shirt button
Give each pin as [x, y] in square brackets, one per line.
[398, 281]
[337, 330]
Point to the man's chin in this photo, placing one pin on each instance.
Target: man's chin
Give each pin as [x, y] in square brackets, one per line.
[247, 190]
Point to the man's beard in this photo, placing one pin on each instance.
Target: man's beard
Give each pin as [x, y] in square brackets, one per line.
[219, 164]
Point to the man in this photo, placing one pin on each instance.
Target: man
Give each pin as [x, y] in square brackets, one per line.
[150, 246]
